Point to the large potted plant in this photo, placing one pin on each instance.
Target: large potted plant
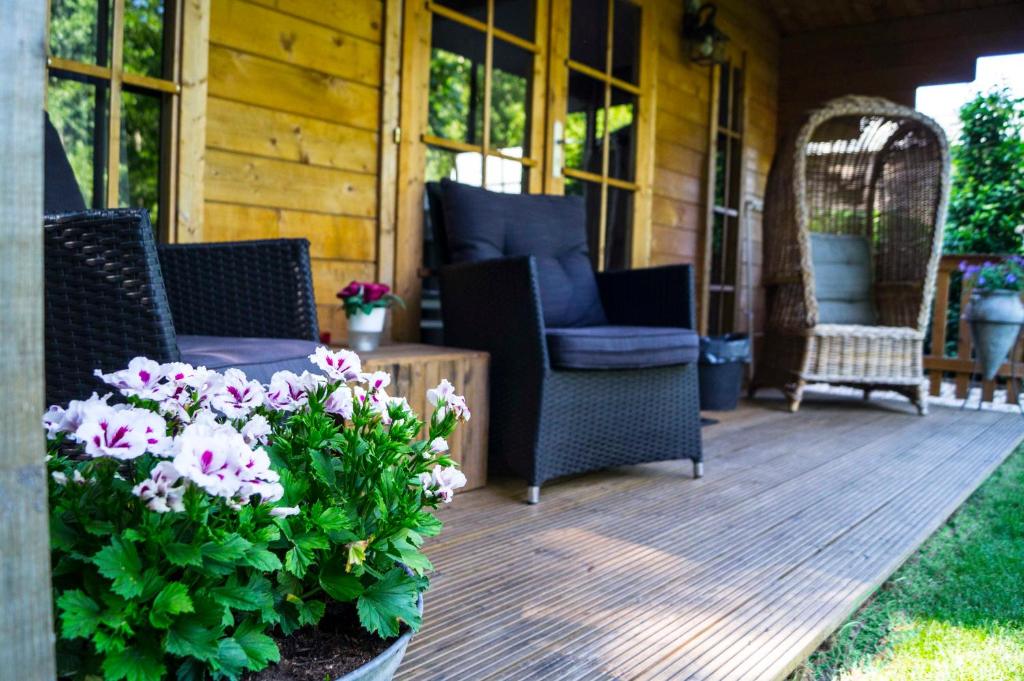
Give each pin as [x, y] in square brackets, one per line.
[995, 311]
[207, 526]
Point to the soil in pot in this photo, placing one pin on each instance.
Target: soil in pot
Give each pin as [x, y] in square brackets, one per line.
[328, 651]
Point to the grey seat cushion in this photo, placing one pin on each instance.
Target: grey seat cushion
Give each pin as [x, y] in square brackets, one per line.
[259, 358]
[621, 347]
[483, 225]
[843, 282]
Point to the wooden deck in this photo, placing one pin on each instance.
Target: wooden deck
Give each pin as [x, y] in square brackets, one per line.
[644, 573]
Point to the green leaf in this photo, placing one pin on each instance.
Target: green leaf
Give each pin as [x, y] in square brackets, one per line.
[183, 554]
[339, 584]
[231, 659]
[311, 541]
[229, 548]
[428, 525]
[333, 519]
[120, 562]
[297, 560]
[137, 662]
[173, 599]
[259, 648]
[190, 636]
[323, 467]
[262, 559]
[80, 614]
[310, 612]
[387, 603]
[251, 596]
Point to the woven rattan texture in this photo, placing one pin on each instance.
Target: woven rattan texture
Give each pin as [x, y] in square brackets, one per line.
[247, 289]
[868, 167]
[105, 299]
[550, 423]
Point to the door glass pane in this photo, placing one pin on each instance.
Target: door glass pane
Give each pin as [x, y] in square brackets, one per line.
[139, 170]
[584, 123]
[737, 100]
[144, 37]
[80, 30]
[724, 88]
[78, 109]
[619, 219]
[456, 82]
[718, 238]
[721, 169]
[477, 9]
[591, 193]
[621, 135]
[588, 33]
[516, 17]
[505, 176]
[626, 42]
[510, 98]
[459, 166]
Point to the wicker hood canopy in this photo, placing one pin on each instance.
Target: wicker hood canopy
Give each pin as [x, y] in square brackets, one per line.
[864, 172]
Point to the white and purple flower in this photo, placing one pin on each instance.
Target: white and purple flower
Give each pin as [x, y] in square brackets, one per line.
[123, 433]
[236, 396]
[143, 378]
[444, 399]
[442, 482]
[339, 402]
[159, 490]
[340, 365]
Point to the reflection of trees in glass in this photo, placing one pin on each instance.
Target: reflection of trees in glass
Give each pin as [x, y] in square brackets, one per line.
[620, 116]
[455, 107]
[75, 32]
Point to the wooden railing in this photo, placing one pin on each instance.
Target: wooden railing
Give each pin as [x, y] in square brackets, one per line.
[960, 365]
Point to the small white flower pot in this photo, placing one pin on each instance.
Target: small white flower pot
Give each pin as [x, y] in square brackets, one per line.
[364, 330]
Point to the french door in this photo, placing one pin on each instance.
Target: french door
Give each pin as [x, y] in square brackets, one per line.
[551, 96]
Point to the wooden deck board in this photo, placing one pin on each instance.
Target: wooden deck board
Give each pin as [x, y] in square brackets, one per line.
[643, 572]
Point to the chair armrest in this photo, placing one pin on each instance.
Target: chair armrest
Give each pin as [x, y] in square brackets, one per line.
[654, 296]
[245, 289]
[494, 305]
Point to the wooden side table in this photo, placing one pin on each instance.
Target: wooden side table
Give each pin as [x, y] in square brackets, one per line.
[416, 368]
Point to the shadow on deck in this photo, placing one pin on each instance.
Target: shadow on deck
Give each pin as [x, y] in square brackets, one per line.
[644, 573]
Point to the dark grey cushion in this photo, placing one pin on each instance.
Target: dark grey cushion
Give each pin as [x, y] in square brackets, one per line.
[259, 358]
[842, 279]
[483, 225]
[621, 347]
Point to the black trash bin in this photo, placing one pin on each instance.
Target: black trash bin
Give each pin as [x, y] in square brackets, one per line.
[722, 360]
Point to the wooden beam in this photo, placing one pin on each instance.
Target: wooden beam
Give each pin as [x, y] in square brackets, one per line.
[195, 41]
[26, 620]
[391, 135]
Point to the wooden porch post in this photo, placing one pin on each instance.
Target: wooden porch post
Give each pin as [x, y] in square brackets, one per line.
[26, 629]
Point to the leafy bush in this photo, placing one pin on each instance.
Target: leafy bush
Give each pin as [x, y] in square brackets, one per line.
[209, 512]
[987, 193]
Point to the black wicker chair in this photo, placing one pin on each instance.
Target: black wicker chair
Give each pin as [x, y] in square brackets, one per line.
[113, 294]
[556, 412]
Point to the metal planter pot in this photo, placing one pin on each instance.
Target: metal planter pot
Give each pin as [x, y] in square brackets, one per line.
[995, 318]
[384, 666]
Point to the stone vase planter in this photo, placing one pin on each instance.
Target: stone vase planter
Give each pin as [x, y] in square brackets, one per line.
[365, 330]
[995, 319]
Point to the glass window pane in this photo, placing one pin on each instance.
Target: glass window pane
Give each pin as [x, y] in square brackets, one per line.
[626, 42]
[516, 16]
[721, 169]
[618, 229]
[588, 33]
[621, 135]
[459, 166]
[144, 37]
[584, 123]
[718, 238]
[476, 9]
[80, 30]
[139, 170]
[724, 87]
[737, 100]
[510, 98]
[505, 176]
[78, 109]
[591, 193]
[456, 82]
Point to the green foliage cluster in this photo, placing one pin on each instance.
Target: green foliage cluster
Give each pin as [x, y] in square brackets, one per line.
[140, 594]
[987, 193]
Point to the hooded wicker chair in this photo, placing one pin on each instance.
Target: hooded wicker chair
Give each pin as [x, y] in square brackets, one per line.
[853, 224]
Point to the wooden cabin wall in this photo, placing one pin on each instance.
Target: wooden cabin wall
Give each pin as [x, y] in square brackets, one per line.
[679, 210]
[292, 133]
[892, 59]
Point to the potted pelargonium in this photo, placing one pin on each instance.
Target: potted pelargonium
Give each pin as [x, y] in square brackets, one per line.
[366, 305]
[995, 312]
[207, 526]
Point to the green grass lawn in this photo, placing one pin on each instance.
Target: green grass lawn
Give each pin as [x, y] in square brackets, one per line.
[954, 611]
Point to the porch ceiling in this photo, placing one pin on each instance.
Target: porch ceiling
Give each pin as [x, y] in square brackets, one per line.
[645, 573]
[796, 16]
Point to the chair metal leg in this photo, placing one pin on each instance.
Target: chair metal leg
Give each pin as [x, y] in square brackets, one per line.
[533, 494]
[698, 469]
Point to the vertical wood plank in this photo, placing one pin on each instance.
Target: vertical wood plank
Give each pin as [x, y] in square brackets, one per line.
[640, 250]
[391, 75]
[195, 41]
[708, 195]
[26, 626]
[963, 346]
[939, 312]
[114, 113]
